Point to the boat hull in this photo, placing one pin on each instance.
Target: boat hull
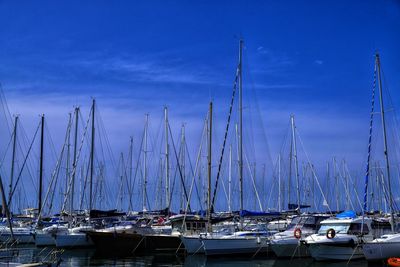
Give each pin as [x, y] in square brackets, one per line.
[76, 240]
[20, 238]
[163, 242]
[289, 249]
[325, 252]
[117, 243]
[44, 240]
[224, 246]
[376, 251]
[193, 244]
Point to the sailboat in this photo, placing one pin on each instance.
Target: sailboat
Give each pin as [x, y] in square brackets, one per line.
[21, 230]
[77, 236]
[290, 243]
[242, 241]
[387, 245]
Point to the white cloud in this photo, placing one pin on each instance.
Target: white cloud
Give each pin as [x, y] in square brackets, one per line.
[318, 62]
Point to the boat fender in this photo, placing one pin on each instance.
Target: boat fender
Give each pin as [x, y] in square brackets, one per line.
[258, 240]
[393, 261]
[330, 233]
[297, 233]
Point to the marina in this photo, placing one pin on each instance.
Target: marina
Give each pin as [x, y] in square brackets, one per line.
[153, 148]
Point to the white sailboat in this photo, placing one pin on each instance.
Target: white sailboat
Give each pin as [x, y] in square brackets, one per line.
[74, 237]
[382, 248]
[338, 239]
[77, 236]
[341, 237]
[20, 235]
[289, 243]
[387, 245]
[46, 236]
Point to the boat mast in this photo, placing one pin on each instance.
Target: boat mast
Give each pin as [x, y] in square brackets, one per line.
[41, 165]
[378, 65]
[335, 176]
[75, 158]
[92, 158]
[209, 168]
[68, 144]
[279, 182]
[13, 158]
[130, 173]
[296, 163]
[290, 172]
[145, 164]
[167, 196]
[182, 160]
[240, 129]
[230, 179]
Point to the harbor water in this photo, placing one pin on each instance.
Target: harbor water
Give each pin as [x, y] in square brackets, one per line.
[89, 257]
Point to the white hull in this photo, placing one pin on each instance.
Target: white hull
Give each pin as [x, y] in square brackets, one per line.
[289, 248]
[73, 240]
[376, 251]
[23, 238]
[219, 246]
[321, 252]
[193, 244]
[44, 240]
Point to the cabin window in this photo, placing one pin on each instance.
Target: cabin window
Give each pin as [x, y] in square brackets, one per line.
[310, 223]
[355, 229]
[381, 225]
[338, 227]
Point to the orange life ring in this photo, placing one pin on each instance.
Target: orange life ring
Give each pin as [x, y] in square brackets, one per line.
[297, 233]
[330, 233]
[393, 261]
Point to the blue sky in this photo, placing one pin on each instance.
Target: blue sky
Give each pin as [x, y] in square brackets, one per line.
[313, 59]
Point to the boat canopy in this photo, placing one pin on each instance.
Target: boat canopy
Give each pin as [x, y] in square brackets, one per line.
[347, 214]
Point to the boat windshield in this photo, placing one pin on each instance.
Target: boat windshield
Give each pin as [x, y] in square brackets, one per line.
[302, 221]
[338, 227]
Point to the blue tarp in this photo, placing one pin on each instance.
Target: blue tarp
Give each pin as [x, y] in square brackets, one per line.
[347, 214]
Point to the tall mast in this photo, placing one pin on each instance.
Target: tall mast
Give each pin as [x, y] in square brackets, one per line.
[230, 180]
[335, 176]
[74, 164]
[67, 170]
[182, 155]
[41, 165]
[92, 157]
[289, 185]
[378, 65]
[240, 128]
[296, 163]
[145, 164]
[279, 182]
[327, 181]
[130, 173]
[13, 158]
[167, 196]
[209, 167]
